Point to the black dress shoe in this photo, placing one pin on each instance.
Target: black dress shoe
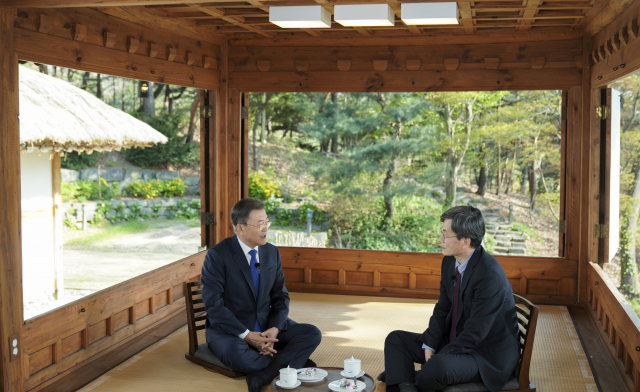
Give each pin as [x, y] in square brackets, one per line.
[382, 377]
[310, 364]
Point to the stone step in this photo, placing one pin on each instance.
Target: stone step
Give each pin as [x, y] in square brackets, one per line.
[517, 251]
[499, 249]
[502, 238]
[506, 244]
[518, 239]
[518, 245]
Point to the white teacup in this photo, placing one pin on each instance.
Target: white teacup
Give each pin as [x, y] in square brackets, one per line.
[352, 367]
[288, 377]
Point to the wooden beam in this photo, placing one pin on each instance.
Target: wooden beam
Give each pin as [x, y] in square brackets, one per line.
[81, 3]
[235, 20]
[466, 15]
[48, 49]
[394, 81]
[11, 315]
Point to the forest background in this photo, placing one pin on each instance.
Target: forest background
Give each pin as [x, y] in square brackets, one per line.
[384, 165]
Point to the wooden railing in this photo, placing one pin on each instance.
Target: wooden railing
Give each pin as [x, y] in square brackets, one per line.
[619, 325]
[56, 342]
[542, 280]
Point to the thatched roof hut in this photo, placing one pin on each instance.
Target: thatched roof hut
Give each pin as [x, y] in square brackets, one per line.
[55, 115]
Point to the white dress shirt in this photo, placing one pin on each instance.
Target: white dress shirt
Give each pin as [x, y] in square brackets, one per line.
[246, 249]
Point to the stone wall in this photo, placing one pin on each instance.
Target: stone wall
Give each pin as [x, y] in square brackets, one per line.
[126, 176]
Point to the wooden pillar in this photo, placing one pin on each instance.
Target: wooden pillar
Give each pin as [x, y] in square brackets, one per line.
[220, 195]
[57, 225]
[11, 316]
[588, 249]
[207, 167]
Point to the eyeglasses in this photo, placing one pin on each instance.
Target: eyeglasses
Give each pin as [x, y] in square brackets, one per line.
[261, 225]
[443, 236]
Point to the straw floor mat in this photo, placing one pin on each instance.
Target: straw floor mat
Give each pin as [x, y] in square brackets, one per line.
[350, 325]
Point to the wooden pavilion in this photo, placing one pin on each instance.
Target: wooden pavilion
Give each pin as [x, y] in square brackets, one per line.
[228, 48]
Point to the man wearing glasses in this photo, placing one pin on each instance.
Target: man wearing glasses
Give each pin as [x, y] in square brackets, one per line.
[247, 304]
[473, 332]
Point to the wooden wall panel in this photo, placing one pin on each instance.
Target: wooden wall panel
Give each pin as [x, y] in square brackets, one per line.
[97, 331]
[71, 344]
[40, 359]
[573, 173]
[235, 170]
[84, 320]
[417, 275]
[12, 368]
[160, 300]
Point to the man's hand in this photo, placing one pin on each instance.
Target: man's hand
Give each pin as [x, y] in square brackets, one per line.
[271, 333]
[261, 342]
[427, 354]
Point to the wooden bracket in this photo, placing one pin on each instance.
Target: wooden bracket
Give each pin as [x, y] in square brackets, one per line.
[263, 65]
[491, 62]
[171, 53]
[594, 56]
[380, 65]
[615, 42]
[601, 52]
[623, 36]
[210, 63]
[451, 64]
[154, 49]
[132, 45]
[344, 65]
[80, 32]
[45, 23]
[191, 58]
[109, 39]
[413, 64]
[537, 62]
[301, 65]
[608, 49]
[632, 29]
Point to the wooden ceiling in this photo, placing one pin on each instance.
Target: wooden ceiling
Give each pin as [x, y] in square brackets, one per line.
[246, 19]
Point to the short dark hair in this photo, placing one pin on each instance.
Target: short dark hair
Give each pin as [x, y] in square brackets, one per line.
[242, 209]
[466, 222]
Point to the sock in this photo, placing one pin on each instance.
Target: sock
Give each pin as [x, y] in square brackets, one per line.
[310, 364]
[407, 387]
[257, 380]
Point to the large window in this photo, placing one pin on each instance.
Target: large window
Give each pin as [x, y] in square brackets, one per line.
[110, 181]
[378, 169]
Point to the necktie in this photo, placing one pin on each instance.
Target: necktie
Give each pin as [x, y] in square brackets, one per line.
[454, 319]
[255, 274]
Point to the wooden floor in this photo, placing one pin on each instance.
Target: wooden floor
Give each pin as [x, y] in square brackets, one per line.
[357, 326]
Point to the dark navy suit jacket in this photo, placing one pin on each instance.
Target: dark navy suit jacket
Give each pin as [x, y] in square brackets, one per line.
[229, 294]
[487, 322]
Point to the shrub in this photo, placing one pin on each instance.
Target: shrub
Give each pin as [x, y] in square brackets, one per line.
[175, 152]
[84, 190]
[261, 187]
[155, 188]
[284, 217]
[271, 204]
[318, 215]
[78, 161]
[101, 212]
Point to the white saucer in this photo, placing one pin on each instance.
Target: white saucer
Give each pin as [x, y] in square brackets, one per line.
[319, 375]
[343, 374]
[335, 386]
[298, 383]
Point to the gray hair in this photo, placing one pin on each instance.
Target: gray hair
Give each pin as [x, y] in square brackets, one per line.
[242, 209]
[466, 222]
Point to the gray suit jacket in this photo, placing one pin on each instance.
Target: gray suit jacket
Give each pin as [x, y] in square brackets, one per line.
[229, 294]
[487, 322]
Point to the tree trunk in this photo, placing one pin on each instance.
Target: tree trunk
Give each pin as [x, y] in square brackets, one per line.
[85, 79]
[525, 177]
[499, 177]
[99, 86]
[43, 68]
[386, 189]
[482, 180]
[192, 119]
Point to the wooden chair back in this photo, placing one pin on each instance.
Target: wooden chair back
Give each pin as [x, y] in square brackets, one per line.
[196, 319]
[196, 315]
[527, 319]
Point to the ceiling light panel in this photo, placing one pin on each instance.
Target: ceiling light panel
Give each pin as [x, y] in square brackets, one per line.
[305, 17]
[429, 13]
[364, 15]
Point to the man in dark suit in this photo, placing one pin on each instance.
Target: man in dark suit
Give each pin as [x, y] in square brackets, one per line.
[247, 303]
[473, 332]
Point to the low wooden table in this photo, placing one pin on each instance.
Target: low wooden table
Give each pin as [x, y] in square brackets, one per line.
[334, 374]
